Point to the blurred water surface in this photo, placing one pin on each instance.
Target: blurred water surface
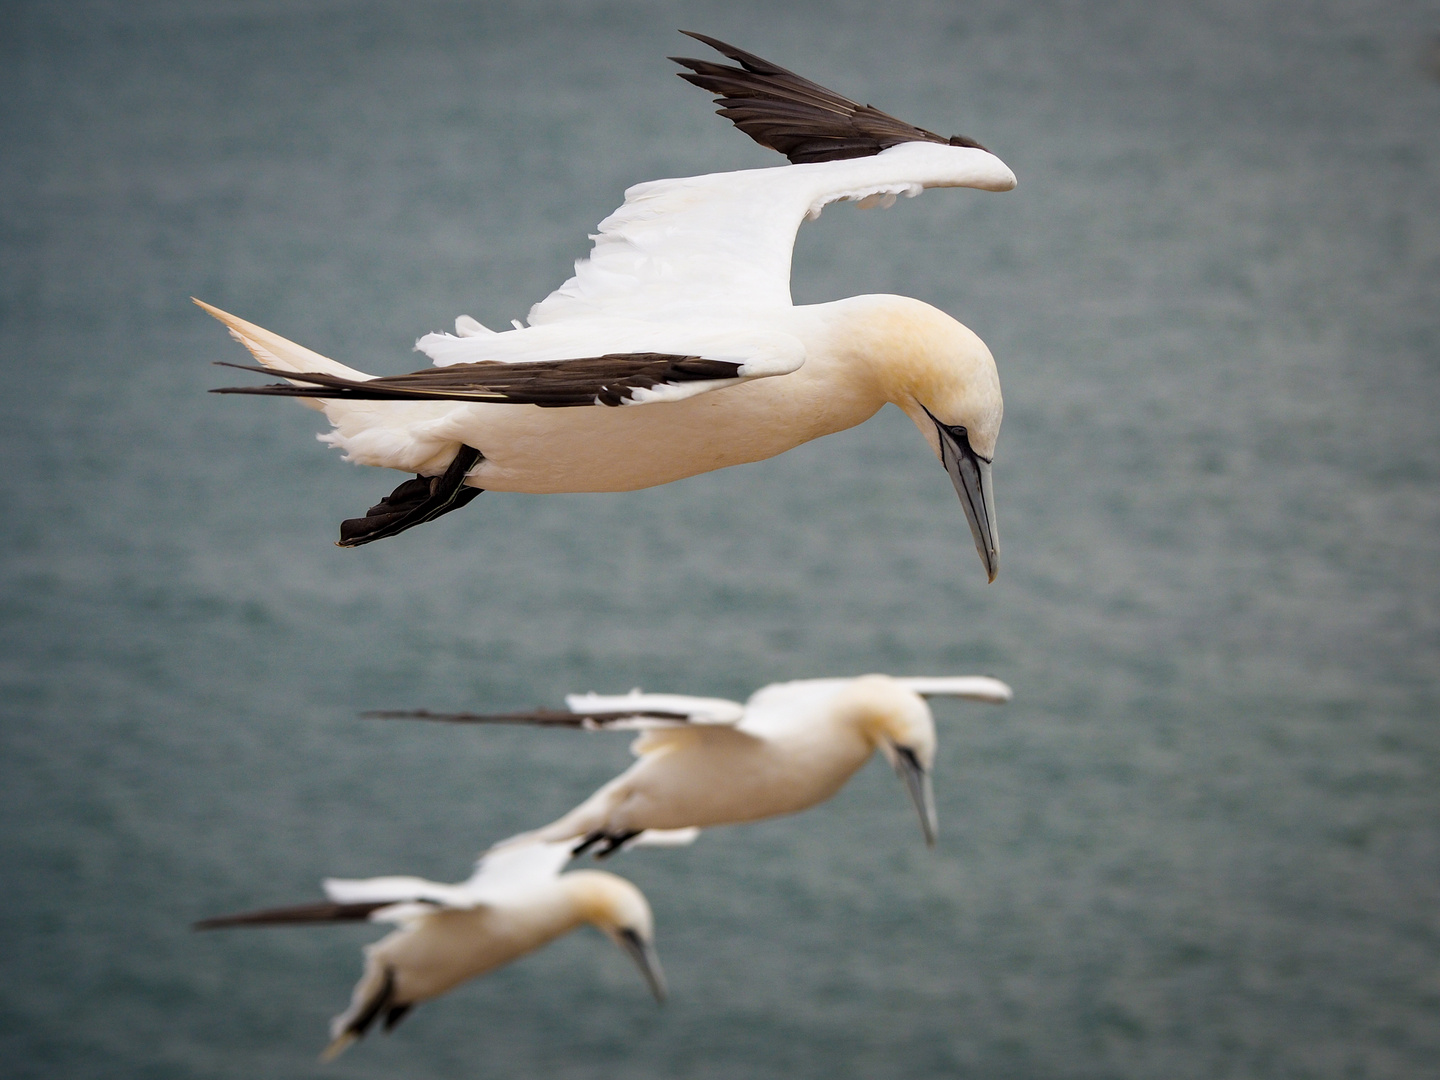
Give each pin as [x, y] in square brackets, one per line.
[1202, 842]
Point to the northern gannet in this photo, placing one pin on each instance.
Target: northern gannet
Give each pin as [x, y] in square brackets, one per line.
[709, 761]
[516, 901]
[683, 311]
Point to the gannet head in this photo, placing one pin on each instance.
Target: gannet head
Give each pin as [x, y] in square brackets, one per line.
[944, 377]
[897, 721]
[619, 910]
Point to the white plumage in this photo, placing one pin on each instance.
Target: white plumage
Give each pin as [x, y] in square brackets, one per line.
[697, 267]
[516, 901]
[708, 761]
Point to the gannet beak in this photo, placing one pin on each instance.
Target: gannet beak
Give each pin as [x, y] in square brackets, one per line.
[644, 955]
[917, 783]
[970, 473]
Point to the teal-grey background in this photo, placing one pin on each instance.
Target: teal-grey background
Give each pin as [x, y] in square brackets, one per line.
[1203, 841]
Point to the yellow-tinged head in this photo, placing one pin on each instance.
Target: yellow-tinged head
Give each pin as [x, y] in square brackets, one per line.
[620, 911]
[944, 377]
[899, 723]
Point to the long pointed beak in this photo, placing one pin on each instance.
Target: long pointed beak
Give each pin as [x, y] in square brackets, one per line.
[970, 473]
[646, 959]
[917, 783]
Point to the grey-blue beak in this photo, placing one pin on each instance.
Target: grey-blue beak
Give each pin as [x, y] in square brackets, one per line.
[646, 959]
[970, 473]
[917, 784]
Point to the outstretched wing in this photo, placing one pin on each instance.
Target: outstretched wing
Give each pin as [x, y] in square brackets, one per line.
[397, 899]
[692, 710]
[498, 874]
[719, 245]
[554, 367]
[395, 889]
[778, 701]
[613, 379]
[392, 900]
[501, 872]
[325, 911]
[634, 711]
[974, 687]
[801, 119]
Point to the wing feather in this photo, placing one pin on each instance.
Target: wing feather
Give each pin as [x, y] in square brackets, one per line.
[801, 119]
[974, 687]
[718, 246]
[612, 379]
[692, 710]
[324, 911]
[589, 719]
[635, 711]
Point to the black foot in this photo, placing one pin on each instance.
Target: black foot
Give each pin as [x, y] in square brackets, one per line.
[384, 999]
[414, 502]
[605, 844]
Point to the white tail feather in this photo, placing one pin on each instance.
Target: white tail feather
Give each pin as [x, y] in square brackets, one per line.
[281, 354]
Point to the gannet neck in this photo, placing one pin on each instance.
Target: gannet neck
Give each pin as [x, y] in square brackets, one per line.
[888, 715]
[920, 359]
[620, 911]
[607, 902]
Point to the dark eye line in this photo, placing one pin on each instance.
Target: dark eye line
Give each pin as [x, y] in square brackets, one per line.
[909, 755]
[960, 431]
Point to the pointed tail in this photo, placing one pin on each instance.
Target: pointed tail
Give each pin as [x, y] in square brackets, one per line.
[281, 354]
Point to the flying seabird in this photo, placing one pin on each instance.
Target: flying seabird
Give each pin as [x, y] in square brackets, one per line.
[516, 901]
[709, 761]
[682, 314]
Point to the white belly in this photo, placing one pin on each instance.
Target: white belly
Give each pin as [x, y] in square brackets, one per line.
[599, 448]
[639, 446]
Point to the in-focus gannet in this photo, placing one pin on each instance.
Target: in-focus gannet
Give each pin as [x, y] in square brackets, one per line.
[516, 901]
[682, 309]
[708, 761]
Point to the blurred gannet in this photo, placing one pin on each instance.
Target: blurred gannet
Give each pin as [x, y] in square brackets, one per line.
[683, 308]
[516, 901]
[708, 761]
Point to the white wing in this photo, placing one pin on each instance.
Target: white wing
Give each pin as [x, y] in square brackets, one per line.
[395, 889]
[498, 874]
[503, 872]
[721, 243]
[975, 687]
[780, 703]
[635, 711]
[795, 692]
[685, 710]
[664, 838]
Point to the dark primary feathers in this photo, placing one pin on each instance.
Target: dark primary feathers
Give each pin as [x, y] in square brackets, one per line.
[801, 119]
[546, 718]
[611, 379]
[322, 912]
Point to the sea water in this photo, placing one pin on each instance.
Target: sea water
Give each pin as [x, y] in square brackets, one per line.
[1203, 840]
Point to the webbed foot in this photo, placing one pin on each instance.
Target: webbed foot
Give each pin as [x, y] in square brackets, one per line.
[414, 502]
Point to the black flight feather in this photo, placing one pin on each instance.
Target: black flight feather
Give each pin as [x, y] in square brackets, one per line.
[539, 717]
[791, 114]
[324, 911]
[611, 379]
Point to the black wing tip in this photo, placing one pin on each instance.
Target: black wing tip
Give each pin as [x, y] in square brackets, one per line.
[541, 717]
[740, 56]
[323, 911]
[800, 147]
[610, 379]
[535, 718]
